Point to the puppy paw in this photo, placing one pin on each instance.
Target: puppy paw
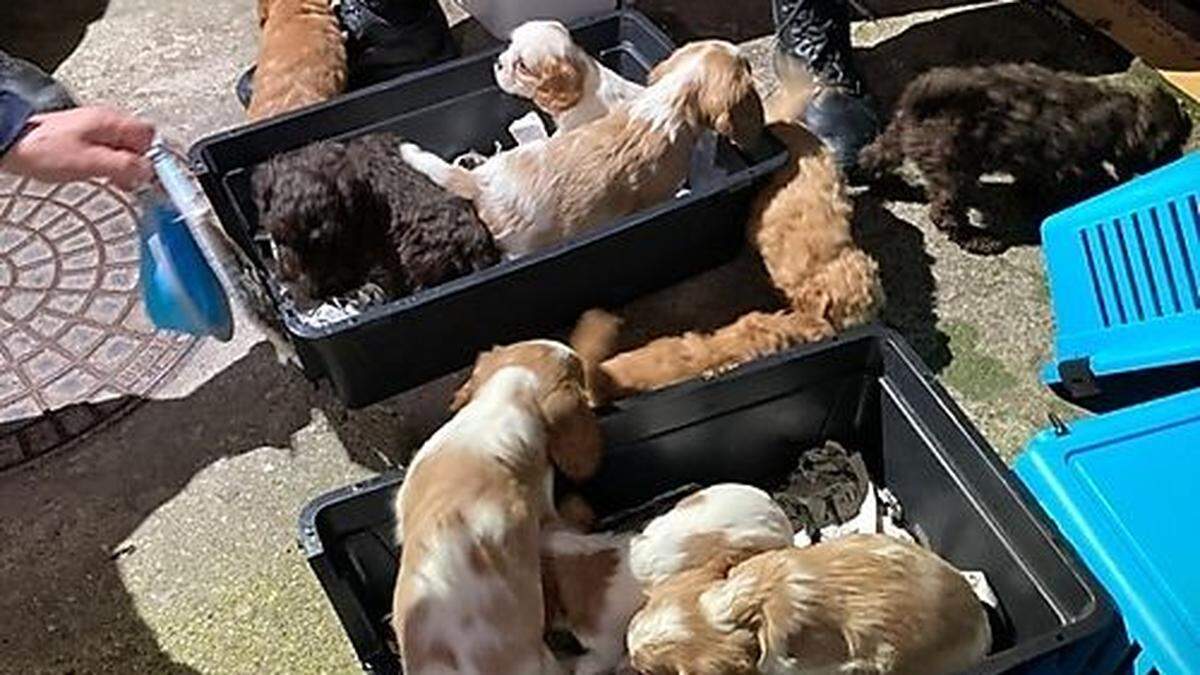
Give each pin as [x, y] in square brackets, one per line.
[412, 154]
[574, 510]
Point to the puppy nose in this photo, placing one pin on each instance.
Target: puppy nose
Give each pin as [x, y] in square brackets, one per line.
[496, 64]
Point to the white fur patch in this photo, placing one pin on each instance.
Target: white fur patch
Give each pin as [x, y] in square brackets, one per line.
[487, 521]
[564, 352]
[659, 103]
[746, 515]
[493, 423]
[666, 623]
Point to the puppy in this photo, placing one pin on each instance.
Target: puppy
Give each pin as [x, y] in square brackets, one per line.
[595, 583]
[1062, 137]
[636, 156]
[800, 226]
[301, 57]
[345, 213]
[542, 63]
[862, 604]
[468, 596]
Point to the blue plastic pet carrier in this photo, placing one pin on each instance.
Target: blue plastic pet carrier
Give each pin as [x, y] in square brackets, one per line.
[1122, 488]
[1124, 274]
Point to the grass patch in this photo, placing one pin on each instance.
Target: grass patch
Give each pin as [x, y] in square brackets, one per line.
[972, 372]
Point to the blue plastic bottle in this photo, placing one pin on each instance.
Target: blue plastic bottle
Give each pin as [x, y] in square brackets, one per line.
[179, 288]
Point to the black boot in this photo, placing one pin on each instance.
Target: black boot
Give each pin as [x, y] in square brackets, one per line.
[32, 84]
[813, 43]
[387, 38]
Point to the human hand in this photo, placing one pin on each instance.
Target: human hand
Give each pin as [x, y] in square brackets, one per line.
[83, 143]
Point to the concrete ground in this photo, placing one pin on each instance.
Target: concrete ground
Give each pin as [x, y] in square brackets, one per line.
[166, 543]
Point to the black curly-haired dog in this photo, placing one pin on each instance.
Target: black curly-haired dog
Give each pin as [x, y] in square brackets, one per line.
[342, 214]
[1061, 137]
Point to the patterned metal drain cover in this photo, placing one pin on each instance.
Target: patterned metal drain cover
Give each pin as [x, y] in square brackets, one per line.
[76, 349]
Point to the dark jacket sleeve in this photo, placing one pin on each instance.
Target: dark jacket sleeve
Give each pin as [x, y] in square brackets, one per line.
[14, 113]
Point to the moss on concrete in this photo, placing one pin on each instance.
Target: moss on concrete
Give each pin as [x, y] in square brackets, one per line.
[972, 372]
[274, 619]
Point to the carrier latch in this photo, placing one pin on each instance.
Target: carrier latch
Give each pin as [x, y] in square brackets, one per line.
[1078, 378]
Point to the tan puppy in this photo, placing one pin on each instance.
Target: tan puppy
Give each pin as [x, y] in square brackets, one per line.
[301, 57]
[800, 225]
[636, 156]
[468, 595]
[863, 604]
[595, 583]
[543, 63]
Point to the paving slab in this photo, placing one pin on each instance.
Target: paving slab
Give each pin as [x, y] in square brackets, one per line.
[165, 544]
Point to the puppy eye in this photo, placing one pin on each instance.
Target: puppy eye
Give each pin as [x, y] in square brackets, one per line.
[520, 65]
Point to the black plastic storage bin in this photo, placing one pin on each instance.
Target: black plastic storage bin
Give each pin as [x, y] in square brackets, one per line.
[867, 390]
[450, 109]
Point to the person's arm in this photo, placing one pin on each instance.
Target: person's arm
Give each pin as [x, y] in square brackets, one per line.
[73, 144]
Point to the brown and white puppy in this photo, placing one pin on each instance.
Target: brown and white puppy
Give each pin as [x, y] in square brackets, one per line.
[301, 57]
[862, 604]
[468, 596]
[542, 63]
[595, 583]
[637, 156]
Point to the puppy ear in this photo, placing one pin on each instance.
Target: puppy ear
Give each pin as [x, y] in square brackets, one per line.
[574, 443]
[559, 83]
[463, 394]
[734, 106]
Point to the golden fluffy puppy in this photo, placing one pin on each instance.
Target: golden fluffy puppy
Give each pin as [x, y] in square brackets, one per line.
[863, 604]
[301, 57]
[800, 226]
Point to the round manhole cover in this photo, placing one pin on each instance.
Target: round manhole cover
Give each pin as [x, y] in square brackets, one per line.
[76, 349]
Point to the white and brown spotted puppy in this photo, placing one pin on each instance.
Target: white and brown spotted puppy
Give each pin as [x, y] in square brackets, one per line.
[595, 583]
[542, 63]
[862, 604]
[636, 156]
[468, 596]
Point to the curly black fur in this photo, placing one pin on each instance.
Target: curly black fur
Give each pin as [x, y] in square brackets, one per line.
[342, 214]
[1061, 137]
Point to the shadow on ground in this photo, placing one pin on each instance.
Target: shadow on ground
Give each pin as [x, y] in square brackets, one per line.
[1015, 32]
[46, 38]
[63, 524]
[904, 269]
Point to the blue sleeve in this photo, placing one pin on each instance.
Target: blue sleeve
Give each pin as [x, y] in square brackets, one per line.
[14, 113]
